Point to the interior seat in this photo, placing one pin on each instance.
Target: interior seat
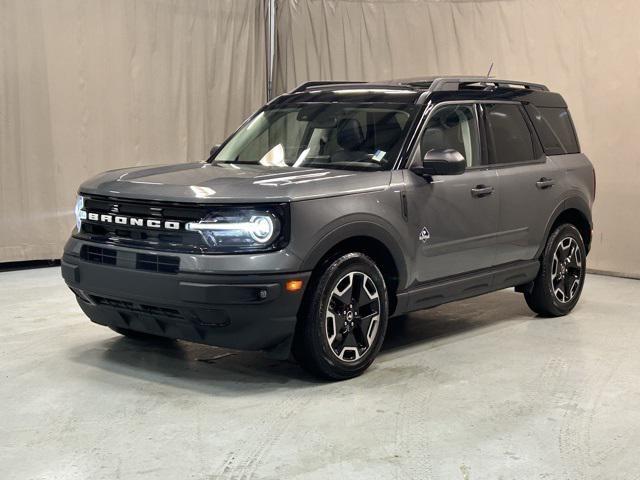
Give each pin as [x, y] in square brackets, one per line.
[350, 138]
[383, 134]
[432, 138]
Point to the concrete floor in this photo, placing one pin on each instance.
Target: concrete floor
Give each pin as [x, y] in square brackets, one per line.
[480, 389]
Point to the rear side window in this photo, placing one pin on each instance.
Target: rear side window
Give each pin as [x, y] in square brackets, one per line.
[508, 135]
[555, 129]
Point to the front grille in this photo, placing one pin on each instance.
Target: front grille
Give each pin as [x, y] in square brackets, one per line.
[105, 256]
[137, 308]
[160, 226]
[157, 263]
[143, 236]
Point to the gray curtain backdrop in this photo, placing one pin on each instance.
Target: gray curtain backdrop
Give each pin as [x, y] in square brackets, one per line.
[93, 85]
[90, 85]
[585, 49]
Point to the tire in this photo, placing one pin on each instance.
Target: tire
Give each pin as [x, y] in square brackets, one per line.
[343, 318]
[557, 288]
[140, 336]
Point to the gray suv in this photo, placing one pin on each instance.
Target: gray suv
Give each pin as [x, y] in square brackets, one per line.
[336, 207]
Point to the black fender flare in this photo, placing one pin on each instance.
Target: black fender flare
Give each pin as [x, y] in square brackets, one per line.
[571, 203]
[363, 226]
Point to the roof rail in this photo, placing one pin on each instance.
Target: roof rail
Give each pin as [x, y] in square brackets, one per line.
[454, 83]
[319, 83]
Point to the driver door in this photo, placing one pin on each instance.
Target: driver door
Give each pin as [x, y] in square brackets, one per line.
[455, 217]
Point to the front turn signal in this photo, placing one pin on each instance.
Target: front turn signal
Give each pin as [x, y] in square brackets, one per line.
[293, 286]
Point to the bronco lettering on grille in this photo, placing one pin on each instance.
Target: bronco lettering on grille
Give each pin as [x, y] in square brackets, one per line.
[133, 221]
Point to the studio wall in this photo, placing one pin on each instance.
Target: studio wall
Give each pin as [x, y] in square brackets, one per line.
[585, 49]
[91, 85]
[87, 86]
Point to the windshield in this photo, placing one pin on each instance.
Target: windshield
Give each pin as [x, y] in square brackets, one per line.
[322, 135]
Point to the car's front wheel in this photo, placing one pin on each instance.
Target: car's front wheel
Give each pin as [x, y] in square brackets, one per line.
[344, 318]
[557, 288]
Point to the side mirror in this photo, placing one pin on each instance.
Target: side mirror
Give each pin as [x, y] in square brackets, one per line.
[441, 162]
[214, 149]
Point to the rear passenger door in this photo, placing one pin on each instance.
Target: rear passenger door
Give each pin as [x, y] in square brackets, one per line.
[527, 181]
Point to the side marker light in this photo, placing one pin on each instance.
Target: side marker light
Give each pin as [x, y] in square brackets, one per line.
[293, 286]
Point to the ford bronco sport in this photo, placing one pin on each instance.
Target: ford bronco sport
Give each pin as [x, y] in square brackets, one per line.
[336, 207]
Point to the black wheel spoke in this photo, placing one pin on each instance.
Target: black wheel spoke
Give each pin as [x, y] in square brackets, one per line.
[357, 288]
[562, 253]
[339, 342]
[351, 340]
[337, 305]
[570, 281]
[366, 308]
[566, 286]
[365, 324]
[360, 335]
[344, 296]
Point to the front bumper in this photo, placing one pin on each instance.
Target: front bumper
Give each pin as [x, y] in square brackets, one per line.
[242, 311]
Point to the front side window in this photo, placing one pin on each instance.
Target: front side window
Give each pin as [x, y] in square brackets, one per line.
[322, 135]
[453, 127]
[508, 134]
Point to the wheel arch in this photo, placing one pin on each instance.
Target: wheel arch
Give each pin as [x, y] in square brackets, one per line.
[575, 211]
[370, 239]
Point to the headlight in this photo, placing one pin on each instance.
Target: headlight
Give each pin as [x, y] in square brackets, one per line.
[80, 212]
[241, 230]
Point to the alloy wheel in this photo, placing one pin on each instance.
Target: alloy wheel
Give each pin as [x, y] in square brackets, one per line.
[566, 270]
[352, 316]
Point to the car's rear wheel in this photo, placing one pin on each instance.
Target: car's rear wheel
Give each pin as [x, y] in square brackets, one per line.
[344, 318]
[557, 288]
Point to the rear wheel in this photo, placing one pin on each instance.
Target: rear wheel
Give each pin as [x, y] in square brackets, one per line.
[344, 319]
[557, 288]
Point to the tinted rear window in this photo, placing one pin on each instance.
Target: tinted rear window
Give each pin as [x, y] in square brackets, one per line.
[555, 129]
[508, 134]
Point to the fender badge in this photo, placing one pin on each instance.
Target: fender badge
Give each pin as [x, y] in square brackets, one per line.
[424, 235]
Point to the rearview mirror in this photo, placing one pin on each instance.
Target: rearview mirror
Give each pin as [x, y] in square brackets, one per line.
[441, 162]
[318, 116]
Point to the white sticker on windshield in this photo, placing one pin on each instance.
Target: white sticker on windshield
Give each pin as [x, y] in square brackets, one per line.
[379, 155]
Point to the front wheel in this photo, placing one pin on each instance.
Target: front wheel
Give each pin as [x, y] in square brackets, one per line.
[344, 319]
[557, 288]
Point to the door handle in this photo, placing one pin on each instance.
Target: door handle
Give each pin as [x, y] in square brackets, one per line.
[480, 191]
[545, 182]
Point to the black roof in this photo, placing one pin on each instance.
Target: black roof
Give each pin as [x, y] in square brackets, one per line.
[419, 90]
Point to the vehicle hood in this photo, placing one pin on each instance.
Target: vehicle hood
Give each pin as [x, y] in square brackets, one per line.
[232, 183]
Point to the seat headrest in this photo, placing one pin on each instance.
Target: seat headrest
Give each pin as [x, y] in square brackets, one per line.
[433, 138]
[350, 135]
[384, 135]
